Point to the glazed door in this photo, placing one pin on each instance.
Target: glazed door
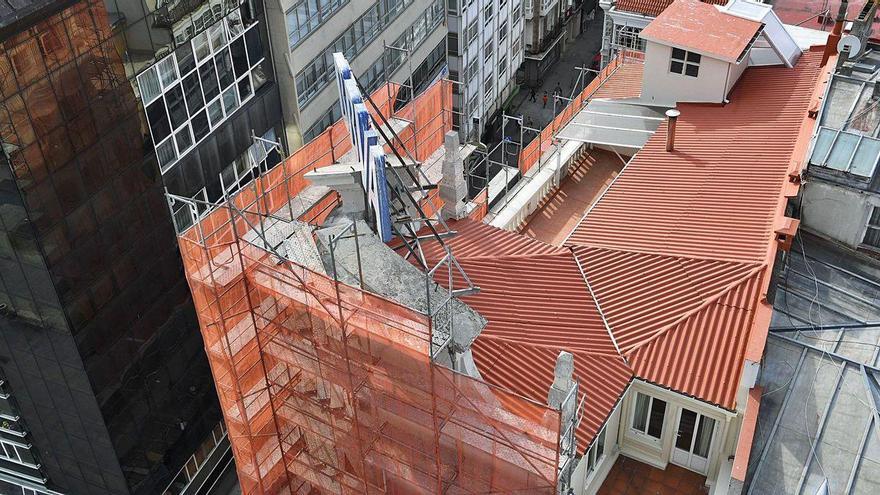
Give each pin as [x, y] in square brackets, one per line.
[693, 441]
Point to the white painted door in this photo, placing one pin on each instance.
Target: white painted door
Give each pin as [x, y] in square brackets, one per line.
[693, 441]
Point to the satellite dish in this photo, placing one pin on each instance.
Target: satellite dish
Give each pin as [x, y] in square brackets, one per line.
[853, 43]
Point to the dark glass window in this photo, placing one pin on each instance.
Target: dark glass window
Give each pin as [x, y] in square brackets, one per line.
[239, 58]
[193, 93]
[209, 81]
[200, 125]
[254, 46]
[658, 414]
[184, 140]
[224, 68]
[176, 108]
[185, 60]
[244, 88]
[684, 62]
[158, 120]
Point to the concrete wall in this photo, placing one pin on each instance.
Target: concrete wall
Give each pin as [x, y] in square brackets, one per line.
[666, 88]
[836, 212]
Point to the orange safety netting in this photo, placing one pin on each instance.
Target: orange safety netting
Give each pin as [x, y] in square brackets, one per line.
[531, 153]
[326, 388]
[431, 117]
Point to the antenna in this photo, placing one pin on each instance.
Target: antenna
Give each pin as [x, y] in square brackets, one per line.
[851, 42]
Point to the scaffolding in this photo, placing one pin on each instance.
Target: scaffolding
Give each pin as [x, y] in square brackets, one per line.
[328, 388]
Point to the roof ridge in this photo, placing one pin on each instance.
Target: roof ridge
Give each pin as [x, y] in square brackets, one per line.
[572, 350]
[705, 304]
[598, 307]
[558, 252]
[664, 255]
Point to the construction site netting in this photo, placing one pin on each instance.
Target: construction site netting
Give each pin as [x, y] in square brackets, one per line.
[326, 388]
[429, 117]
[533, 152]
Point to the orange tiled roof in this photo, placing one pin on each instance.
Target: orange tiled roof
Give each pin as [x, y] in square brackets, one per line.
[662, 280]
[528, 370]
[625, 82]
[699, 27]
[652, 8]
[716, 195]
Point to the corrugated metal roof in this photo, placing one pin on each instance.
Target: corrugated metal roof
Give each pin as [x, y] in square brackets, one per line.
[702, 356]
[480, 240]
[652, 8]
[625, 82]
[702, 28]
[528, 370]
[643, 294]
[538, 299]
[716, 195]
[675, 254]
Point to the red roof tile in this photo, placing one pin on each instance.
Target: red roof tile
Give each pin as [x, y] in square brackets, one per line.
[625, 82]
[642, 295]
[702, 356]
[539, 299]
[699, 27]
[480, 240]
[676, 254]
[652, 8]
[528, 371]
[716, 195]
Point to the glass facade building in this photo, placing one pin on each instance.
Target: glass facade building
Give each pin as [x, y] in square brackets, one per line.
[105, 105]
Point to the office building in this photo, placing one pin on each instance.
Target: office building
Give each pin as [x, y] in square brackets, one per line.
[485, 51]
[104, 106]
[383, 39]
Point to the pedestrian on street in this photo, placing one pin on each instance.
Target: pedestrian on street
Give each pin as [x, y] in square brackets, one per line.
[532, 94]
[545, 99]
[558, 90]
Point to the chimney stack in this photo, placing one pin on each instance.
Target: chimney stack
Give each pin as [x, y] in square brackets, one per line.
[671, 118]
[836, 32]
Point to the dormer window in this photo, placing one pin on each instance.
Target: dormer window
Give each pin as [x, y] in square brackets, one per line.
[684, 62]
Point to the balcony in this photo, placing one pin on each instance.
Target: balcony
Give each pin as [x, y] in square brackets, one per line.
[630, 476]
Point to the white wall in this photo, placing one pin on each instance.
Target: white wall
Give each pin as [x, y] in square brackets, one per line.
[665, 88]
[736, 70]
[658, 453]
[836, 212]
[589, 483]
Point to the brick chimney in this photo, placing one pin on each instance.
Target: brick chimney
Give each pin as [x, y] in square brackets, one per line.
[834, 37]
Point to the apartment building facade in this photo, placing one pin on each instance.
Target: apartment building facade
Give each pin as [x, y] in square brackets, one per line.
[485, 51]
[104, 107]
[383, 39]
[549, 24]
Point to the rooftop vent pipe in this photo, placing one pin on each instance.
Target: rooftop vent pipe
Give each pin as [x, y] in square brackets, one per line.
[671, 118]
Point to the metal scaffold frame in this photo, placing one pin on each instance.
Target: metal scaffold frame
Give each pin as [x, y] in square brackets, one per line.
[328, 387]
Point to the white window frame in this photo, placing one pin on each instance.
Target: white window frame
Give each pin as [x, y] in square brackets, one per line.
[220, 28]
[632, 416]
[592, 458]
[685, 62]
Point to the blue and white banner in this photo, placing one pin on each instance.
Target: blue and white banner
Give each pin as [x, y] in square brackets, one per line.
[365, 141]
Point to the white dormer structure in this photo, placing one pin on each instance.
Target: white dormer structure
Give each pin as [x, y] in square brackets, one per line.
[696, 52]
